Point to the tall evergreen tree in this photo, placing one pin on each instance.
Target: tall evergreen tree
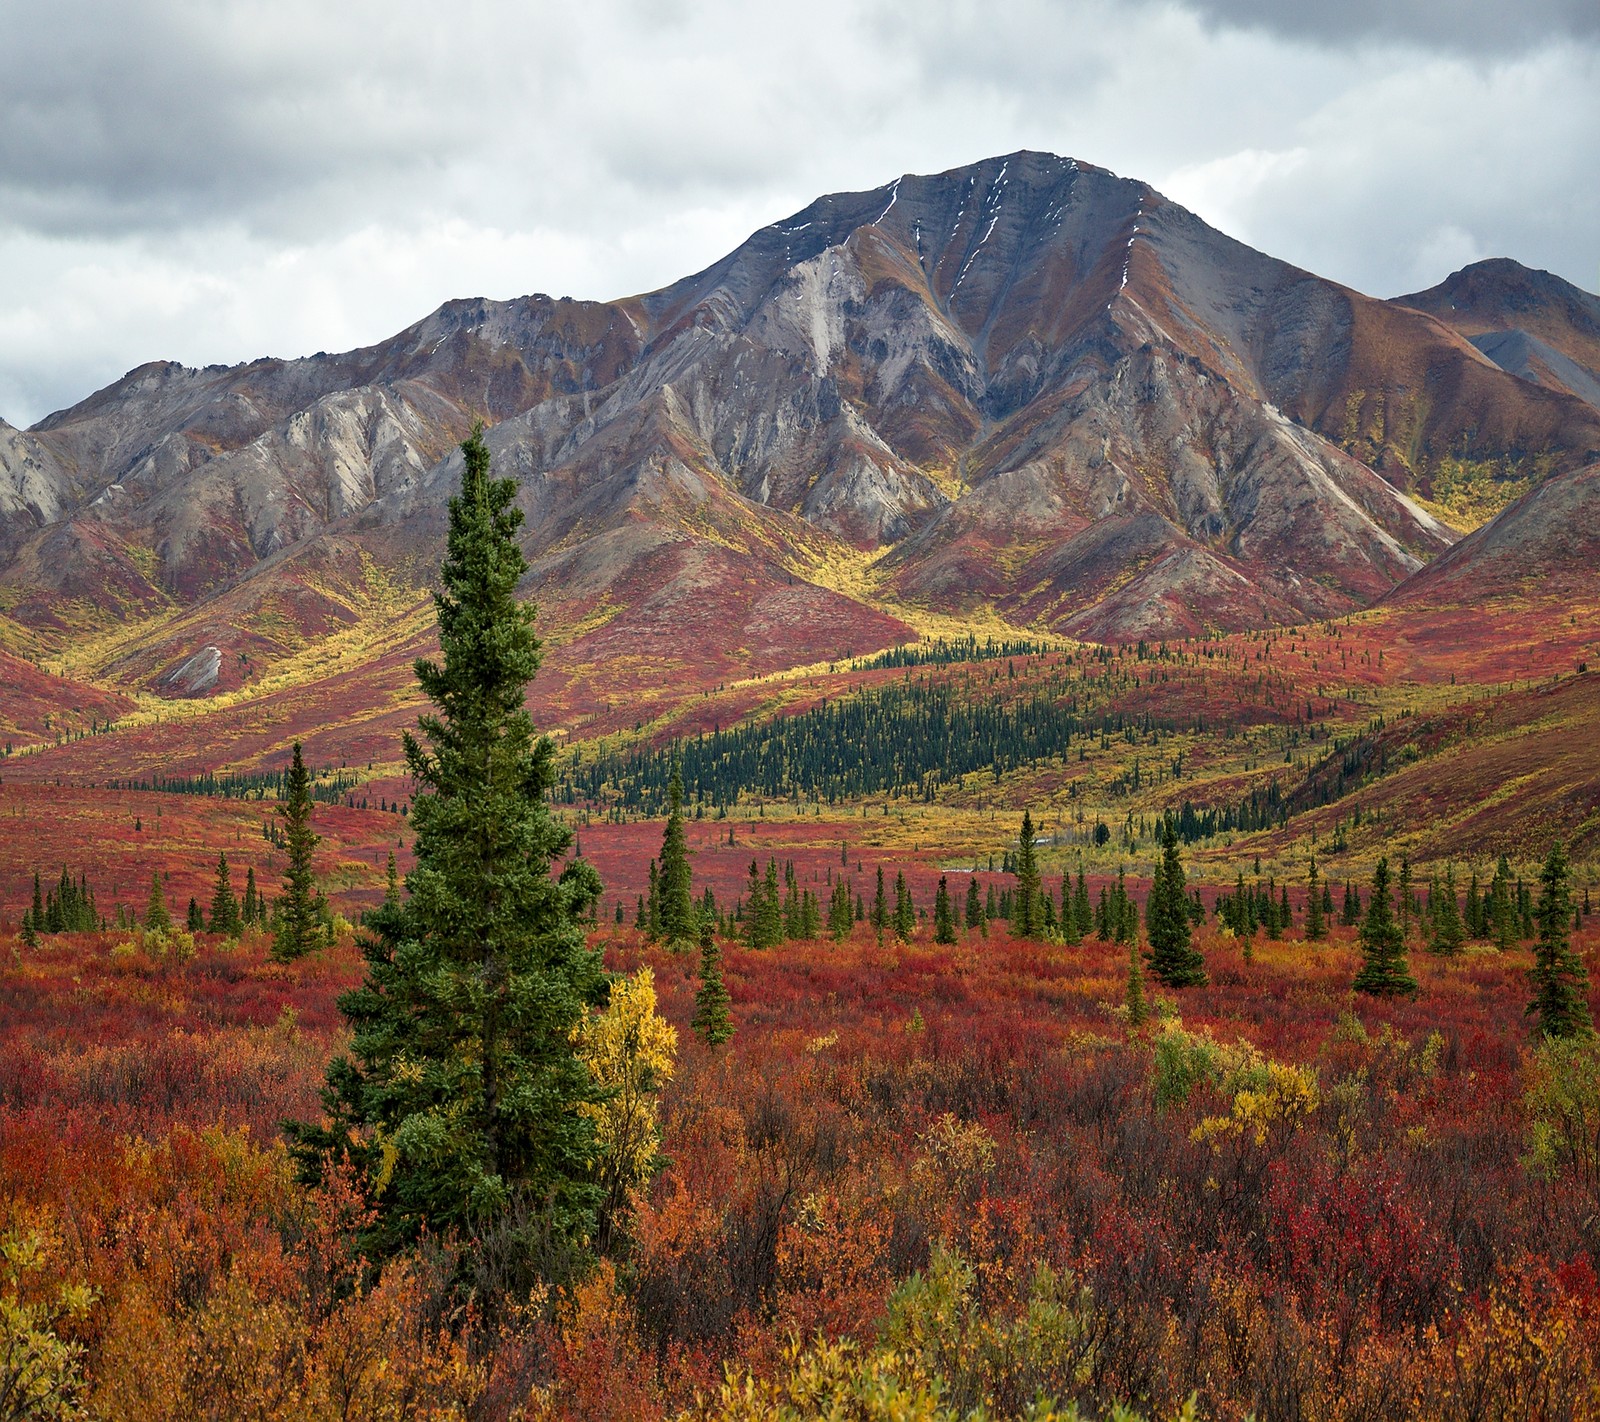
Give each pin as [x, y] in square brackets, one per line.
[944, 919]
[1560, 982]
[1027, 918]
[712, 1022]
[763, 913]
[250, 907]
[974, 905]
[1071, 930]
[157, 917]
[302, 913]
[1173, 957]
[1350, 910]
[462, 1100]
[905, 912]
[1138, 1008]
[1082, 910]
[841, 912]
[674, 879]
[1445, 931]
[1502, 912]
[1384, 971]
[224, 906]
[1316, 924]
[1407, 898]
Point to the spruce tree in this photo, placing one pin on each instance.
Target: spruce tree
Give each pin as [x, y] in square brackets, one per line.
[157, 917]
[1082, 910]
[712, 1022]
[675, 882]
[841, 911]
[880, 908]
[1445, 931]
[905, 912]
[250, 909]
[1502, 913]
[1026, 917]
[944, 919]
[1173, 957]
[224, 906]
[302, 914]
[1138, 1008]
[1071, 930]
[1350, 910]
[1316, 924]
[974, 905]
[195, 921]
[1560, 982]
[1408, 901]
[462, 1099]
[1384, 972]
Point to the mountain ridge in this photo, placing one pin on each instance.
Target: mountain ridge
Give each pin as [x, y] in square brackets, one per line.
[1026, 388]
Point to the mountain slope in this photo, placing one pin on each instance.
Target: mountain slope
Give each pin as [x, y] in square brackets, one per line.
[1546, 545]
[1026, 388]
[1530, 323]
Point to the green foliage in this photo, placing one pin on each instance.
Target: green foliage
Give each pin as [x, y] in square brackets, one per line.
[905, 912]
[975, 916]
[1027, 918]
[1265, 1098]
[841, 910]
[224, 906]
[712, 1021]
[763, 910]
[302, 913]
[1316, 918]
[1559, 979]
[1446, 932]
[1562, 1105]
[1384, 971]
[944, 919]
[1173, 958]
[68, 908]
[674, 879]
[1137, 1008]
[41, 1374]
[463, 1101]
[157, 918]
[940, 1358]
[1502, 912]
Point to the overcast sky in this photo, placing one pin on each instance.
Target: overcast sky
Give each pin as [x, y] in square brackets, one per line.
[216, 180]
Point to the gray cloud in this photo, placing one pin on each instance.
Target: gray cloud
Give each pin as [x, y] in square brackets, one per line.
[1454, 26]
[216, 181]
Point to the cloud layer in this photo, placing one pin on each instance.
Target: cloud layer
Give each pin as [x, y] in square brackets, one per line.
[216, 181]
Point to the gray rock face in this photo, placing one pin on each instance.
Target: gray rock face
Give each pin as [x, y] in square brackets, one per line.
[1028, 382]
[34, 487]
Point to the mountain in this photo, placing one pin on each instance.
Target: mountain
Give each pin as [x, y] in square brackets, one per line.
[1530, 323]
[1027, 389]
[1546, 546]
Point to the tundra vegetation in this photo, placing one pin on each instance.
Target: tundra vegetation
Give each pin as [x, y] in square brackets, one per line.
[1187, 1053]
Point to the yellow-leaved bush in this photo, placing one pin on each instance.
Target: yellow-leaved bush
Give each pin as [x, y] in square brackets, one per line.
[40, 1372]
[630, 1049]
[1266, 1098]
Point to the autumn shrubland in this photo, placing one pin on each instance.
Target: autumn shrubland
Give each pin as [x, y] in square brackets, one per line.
[910, 1162]
[919, 1179]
